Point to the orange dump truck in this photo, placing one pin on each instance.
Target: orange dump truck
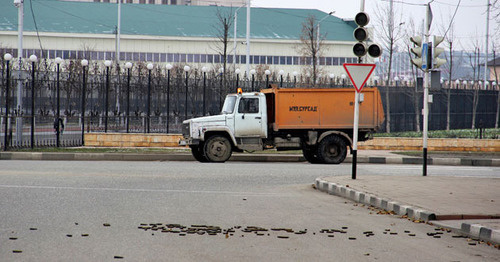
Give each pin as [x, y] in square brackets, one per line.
[318, 121]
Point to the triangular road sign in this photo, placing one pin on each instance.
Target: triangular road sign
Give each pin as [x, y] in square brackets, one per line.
[359, 74]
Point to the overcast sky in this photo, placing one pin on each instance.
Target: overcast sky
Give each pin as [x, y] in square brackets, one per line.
[470, 20]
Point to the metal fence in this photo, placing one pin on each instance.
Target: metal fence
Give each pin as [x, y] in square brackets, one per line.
[157, 101]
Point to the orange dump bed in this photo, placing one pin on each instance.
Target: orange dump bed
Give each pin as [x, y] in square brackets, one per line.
[333, 108]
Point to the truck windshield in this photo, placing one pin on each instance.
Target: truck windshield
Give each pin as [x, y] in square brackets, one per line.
[228, 107]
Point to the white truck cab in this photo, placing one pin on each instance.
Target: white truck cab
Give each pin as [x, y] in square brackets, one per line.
[241, 125]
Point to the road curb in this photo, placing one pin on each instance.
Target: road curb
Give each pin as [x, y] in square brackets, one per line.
[472, 230]
[237, 157]
[412, 212]
[480, 232]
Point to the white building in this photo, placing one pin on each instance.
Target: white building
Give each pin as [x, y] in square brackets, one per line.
[174, 34]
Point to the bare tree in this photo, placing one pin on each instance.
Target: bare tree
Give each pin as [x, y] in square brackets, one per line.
[410, 32]
[474, 62]
[495, 73]
[449, 37]
[225, 19]
[311, 45]
[389, 34]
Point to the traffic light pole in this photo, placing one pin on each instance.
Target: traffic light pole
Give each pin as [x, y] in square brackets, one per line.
[426, 94]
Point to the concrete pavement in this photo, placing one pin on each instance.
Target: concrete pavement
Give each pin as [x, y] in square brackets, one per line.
[364, 156]
[446, 201]
[467, 205]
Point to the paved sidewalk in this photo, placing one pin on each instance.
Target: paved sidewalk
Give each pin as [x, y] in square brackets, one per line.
[445, 201]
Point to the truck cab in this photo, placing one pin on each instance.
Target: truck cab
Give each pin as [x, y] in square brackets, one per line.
[242, 125]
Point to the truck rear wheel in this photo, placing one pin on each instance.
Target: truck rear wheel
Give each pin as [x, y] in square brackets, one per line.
[332, 150]
[197, 152]
[310, 154]
[217, 149]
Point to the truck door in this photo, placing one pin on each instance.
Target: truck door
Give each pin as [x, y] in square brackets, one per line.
[248, 118]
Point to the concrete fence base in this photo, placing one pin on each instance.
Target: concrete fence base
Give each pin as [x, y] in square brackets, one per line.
[390, 143]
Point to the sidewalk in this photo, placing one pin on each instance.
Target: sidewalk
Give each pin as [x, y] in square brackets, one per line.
[446, 201]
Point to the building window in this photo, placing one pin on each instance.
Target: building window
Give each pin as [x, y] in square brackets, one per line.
[243, 59]
[203, 58]
[151, 2]
[342, 60]
[210, 58]
[170, 57]
[190, 58]
[142, 1]
[129, 1]
[163, 57]
[164, 2]
[173, 2]
[289, 60]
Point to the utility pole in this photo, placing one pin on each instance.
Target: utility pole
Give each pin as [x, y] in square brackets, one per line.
[117, 53]
[19, 120]
[486, 45]
[248, 40]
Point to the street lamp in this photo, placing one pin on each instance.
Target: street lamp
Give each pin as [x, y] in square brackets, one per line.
[280, 73]
[168, 67]
[457, 83]
[84, 63]
[267, 73]
[58, 61]
[204, 70]
[186, 69]
[252, 72]
[33, 60]
[148, 116]
[7, 57]
[128, 65]
[332, 76]
[107, 63]
[295, 74]
[343, 76]
[237, 72]
[318, 35]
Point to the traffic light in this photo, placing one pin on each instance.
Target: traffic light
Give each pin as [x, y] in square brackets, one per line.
[421, 52]
[360, 49]
[436, 61]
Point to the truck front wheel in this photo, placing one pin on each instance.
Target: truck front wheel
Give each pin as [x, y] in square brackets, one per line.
[197, 152]
[332, 150]
[217, 149]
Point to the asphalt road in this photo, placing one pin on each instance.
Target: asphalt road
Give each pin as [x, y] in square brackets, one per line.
[102, 211]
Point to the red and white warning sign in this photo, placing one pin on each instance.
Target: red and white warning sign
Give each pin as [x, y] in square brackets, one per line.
[359, 74]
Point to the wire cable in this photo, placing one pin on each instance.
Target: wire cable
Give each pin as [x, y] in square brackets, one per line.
[36, 28]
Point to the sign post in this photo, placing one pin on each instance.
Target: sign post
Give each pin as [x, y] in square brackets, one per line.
[359, 74]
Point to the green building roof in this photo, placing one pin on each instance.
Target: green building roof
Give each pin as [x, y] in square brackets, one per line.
[165, 20]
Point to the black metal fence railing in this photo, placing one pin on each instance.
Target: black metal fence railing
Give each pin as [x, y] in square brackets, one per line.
[101, 102]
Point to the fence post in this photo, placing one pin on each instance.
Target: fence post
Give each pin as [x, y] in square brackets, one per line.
[84, 63]
[107, 63]
[7, 58]
[169, 66]
[33, 60]
[148, 117]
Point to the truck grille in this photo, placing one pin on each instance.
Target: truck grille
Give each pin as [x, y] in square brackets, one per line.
[185, 130]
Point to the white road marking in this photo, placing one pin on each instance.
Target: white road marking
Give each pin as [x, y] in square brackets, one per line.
[145, 190]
